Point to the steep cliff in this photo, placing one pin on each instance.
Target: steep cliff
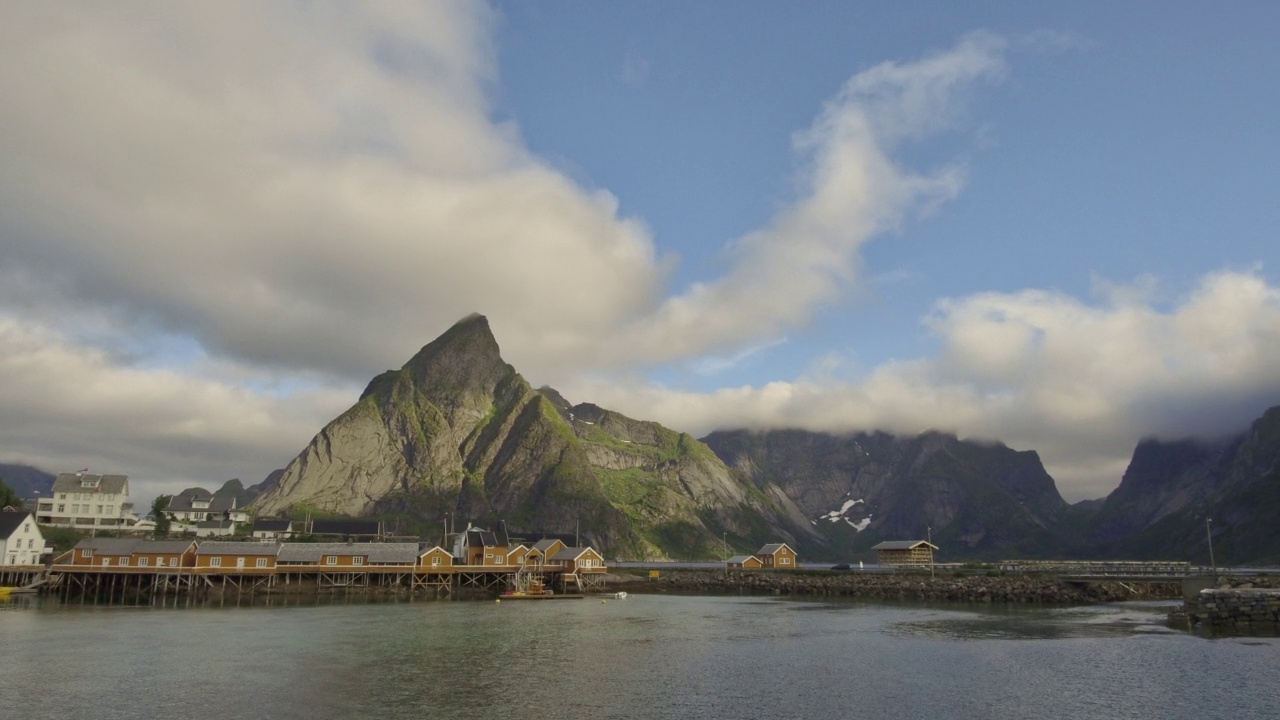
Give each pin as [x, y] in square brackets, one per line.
[459, 432]
[976, 499]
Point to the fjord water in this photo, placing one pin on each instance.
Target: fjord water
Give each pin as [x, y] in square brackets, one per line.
[642, 657]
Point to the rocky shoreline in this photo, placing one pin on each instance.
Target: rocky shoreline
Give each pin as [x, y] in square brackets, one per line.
[973, 589]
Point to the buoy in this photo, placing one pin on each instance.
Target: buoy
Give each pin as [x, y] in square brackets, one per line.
[498, 600]
[603, 602]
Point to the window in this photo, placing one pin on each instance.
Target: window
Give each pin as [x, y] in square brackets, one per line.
[62, 496]
[124, 561]
[357, 560]
[330, 559]
[86, 553]
[143, 562]
[215, 562]
[784, 561]
[262, 562]
[31, 543]
[99, 509]
[62, 507]
[26, 528]
[435, 560]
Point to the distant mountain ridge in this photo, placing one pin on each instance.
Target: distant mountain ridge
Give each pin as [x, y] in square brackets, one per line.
[27, 481]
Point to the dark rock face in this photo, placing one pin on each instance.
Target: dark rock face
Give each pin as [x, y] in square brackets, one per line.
[1172, 490]
[26, 481]
[977, 499]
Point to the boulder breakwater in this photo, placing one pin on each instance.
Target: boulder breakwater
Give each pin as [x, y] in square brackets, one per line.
[967, 588]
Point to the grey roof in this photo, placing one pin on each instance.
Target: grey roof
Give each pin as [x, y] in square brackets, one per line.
[902, 545]
[346, 527]
[271, 525]
[773, 548]
[9, 521]
[739, 559]
[218, 547]
[74, 483]
[163, 546]
[185, 502]
[481, 538]
[313, 553]
[569, 553]
[543, 545]
[108, 546]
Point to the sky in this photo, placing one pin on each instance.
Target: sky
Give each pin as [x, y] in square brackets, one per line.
[1051, 225]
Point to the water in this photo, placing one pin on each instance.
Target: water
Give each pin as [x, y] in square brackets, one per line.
[646, 656]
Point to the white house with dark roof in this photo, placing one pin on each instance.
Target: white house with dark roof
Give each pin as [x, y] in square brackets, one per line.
[21, 542]
[197, 505]
[86, 501]
[272, 529]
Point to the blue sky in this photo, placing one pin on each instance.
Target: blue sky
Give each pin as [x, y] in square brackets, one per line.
[1051, 225]
[1124, 141]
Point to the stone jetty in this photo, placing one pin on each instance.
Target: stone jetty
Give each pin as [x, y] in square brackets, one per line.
[1233, 605]
[970, 588]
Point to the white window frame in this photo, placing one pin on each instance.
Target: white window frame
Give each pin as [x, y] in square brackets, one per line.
[262, 562]
[215, 561]
[330, 559]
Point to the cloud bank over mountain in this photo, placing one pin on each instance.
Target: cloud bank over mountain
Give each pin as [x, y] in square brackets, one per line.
[218, 222]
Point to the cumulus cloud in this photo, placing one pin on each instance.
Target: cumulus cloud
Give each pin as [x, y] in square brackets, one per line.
[1080, 382]
[64, 405]
[218, 221]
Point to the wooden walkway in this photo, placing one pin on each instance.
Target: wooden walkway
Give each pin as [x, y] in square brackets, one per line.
[112, 584]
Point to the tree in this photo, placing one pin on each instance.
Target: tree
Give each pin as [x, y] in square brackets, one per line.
[9, 498]
[162, 520]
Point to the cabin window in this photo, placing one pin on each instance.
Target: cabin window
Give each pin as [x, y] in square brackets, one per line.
[143, 562]
[330, 559]
[86, 553]
[215, 562]
[784, 561]
[124, 561]
[435, 560]
[262, 562]
[357, 560]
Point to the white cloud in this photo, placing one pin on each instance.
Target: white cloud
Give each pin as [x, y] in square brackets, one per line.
[1080, 383]
[217, 220]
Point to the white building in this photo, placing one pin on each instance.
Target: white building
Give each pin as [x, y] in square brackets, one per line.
[84, 501]
[21, 542]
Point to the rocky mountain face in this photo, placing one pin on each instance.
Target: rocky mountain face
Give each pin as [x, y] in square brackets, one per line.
[457, 432]
[978, 500]
[1172, 490]
[27, 481]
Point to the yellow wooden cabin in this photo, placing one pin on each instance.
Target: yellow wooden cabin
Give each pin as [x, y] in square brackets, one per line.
[778, 556]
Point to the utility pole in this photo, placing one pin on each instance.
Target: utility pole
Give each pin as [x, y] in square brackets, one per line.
[929, 531]
[1208, 529]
